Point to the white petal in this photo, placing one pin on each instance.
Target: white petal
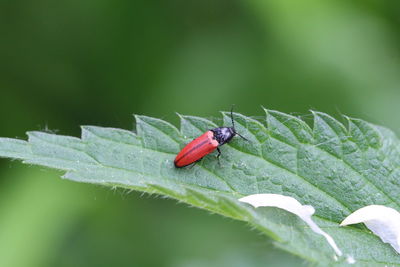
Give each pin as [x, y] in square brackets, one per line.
[382, 221]
[350, 260]
[292, 205]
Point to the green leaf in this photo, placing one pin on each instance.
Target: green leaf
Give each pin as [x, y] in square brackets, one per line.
[336, 169]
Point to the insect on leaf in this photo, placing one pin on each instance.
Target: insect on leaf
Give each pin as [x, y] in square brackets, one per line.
[335, 168]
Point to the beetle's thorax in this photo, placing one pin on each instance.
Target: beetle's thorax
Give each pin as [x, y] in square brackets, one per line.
[223, 134]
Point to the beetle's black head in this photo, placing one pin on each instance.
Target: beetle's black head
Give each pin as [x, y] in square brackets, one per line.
[223, 134]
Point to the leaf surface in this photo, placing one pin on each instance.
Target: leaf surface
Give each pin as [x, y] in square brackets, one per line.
[335, 168]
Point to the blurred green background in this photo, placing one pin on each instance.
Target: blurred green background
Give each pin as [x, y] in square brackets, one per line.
[68, 63]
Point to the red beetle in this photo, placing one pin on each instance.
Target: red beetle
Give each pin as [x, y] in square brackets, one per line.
[205, 144]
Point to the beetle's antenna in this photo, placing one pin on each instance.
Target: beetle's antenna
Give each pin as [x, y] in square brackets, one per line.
[233, 122]
[233, 125]
[243, 137]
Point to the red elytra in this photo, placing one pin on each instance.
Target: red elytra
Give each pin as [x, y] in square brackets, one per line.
[196, 150]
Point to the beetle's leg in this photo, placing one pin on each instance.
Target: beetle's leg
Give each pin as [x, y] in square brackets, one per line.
[219, 154]
[194, 163]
